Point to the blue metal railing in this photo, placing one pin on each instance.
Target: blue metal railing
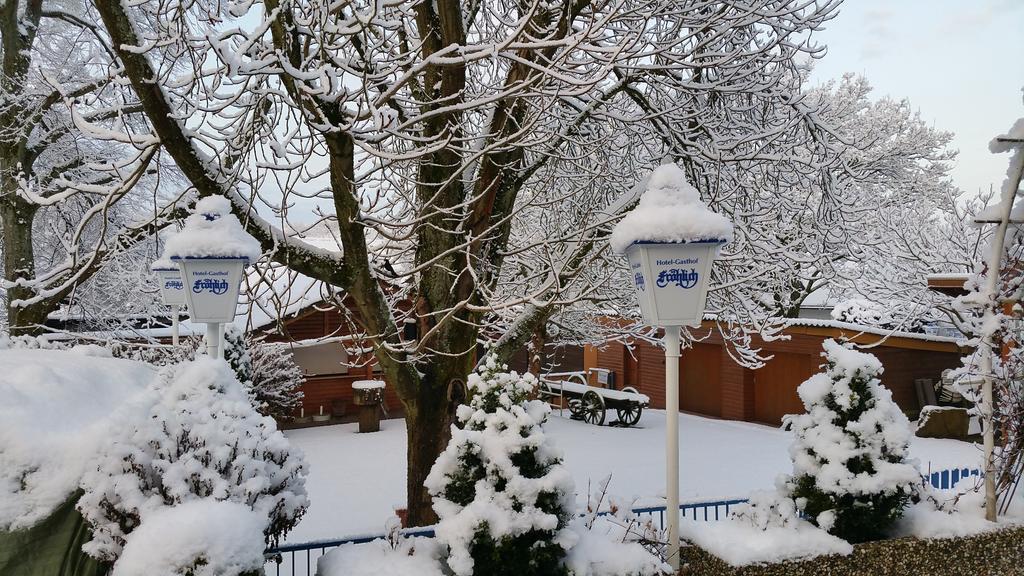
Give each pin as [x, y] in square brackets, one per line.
[296, 559]
[947, 479]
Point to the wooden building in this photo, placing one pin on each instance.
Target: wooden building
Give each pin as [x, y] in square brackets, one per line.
[322, 345]
[713, 384]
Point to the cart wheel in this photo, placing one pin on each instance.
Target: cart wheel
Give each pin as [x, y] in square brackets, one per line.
[629, 414]
[593, 408]
[576, 409]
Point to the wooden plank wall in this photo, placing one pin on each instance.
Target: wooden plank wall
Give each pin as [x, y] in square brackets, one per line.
[714, 385]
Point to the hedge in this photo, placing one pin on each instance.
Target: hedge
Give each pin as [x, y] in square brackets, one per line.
[994, 553]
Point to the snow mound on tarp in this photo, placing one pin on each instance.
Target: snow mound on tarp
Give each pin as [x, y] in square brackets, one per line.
[55, 415]
[670, 210]
[197, 538]
[406, 557]
[739, 543]
[212, 232]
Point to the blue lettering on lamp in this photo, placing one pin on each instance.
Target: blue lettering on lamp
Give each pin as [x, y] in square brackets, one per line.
[215, 286]
[685, 279]
[639, 279]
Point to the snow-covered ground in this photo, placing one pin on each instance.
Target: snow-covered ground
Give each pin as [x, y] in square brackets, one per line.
[356, 480]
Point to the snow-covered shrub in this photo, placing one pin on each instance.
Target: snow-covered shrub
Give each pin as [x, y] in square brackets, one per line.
[868, 313]
[851, 476]
[236, 353]
[196, 437]
[503, 497]
[203, 537]
[618, 543]
[767, 509]
[158, 354]
[402, 557]
[276, 379]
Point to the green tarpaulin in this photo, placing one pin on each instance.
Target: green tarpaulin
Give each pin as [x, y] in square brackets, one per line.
[51, 548]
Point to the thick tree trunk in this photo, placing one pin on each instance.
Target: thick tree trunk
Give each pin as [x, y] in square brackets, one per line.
[16, 217]
[428, 420]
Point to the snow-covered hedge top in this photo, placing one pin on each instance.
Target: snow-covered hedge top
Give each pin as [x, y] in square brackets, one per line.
[670, 210]
[212, 231]
[56, 414]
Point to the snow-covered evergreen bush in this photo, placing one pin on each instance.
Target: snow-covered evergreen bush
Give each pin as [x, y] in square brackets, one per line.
[236, 353]
[851, 476]
[196, 436]
[276, 379]
[503, 497]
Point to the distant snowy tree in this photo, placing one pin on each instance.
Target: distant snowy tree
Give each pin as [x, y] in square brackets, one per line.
[503, 497]
[200, 438]
[79, 168]
[851, 475]
[276, 379]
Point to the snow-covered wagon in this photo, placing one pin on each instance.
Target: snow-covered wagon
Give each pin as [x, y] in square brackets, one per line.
[591, 403]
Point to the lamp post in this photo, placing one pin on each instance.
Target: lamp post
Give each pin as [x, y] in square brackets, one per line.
[211, 252]
[671, 240]
[172, 291]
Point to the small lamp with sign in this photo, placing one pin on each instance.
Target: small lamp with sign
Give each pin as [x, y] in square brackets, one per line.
[671, 240]
[212, 251]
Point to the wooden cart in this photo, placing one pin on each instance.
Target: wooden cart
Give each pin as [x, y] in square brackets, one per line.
[591, 403]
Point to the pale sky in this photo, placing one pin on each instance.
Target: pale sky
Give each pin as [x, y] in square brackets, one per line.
[959, 62]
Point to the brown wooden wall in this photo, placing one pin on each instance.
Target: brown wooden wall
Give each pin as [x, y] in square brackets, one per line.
[332, 391]
[713, 384]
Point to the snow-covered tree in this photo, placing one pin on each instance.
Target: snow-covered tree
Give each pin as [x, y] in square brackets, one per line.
[851, 475]
[79, 167]
[502, 495]
[199, 437]
[435, 136]
[276, 379]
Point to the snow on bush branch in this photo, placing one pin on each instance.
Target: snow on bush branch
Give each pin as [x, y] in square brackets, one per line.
[197, 436]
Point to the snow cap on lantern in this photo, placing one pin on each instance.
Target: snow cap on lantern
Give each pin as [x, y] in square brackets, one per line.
[168, 275]
[212, 250]
[671, 239]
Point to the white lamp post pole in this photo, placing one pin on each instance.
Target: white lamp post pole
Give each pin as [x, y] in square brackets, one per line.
[672, 442]
[174, 324]
[213, 340]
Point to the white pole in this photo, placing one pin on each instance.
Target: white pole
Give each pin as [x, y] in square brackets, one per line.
[212, 339]
[672, 443]
[174, 325]
[220, 341]
[993, 303]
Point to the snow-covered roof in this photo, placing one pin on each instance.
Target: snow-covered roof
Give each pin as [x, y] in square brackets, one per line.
[861, 328]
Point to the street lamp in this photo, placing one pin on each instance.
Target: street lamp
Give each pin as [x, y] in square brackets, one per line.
[671, 240]
[172, 291]
[211, 251]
